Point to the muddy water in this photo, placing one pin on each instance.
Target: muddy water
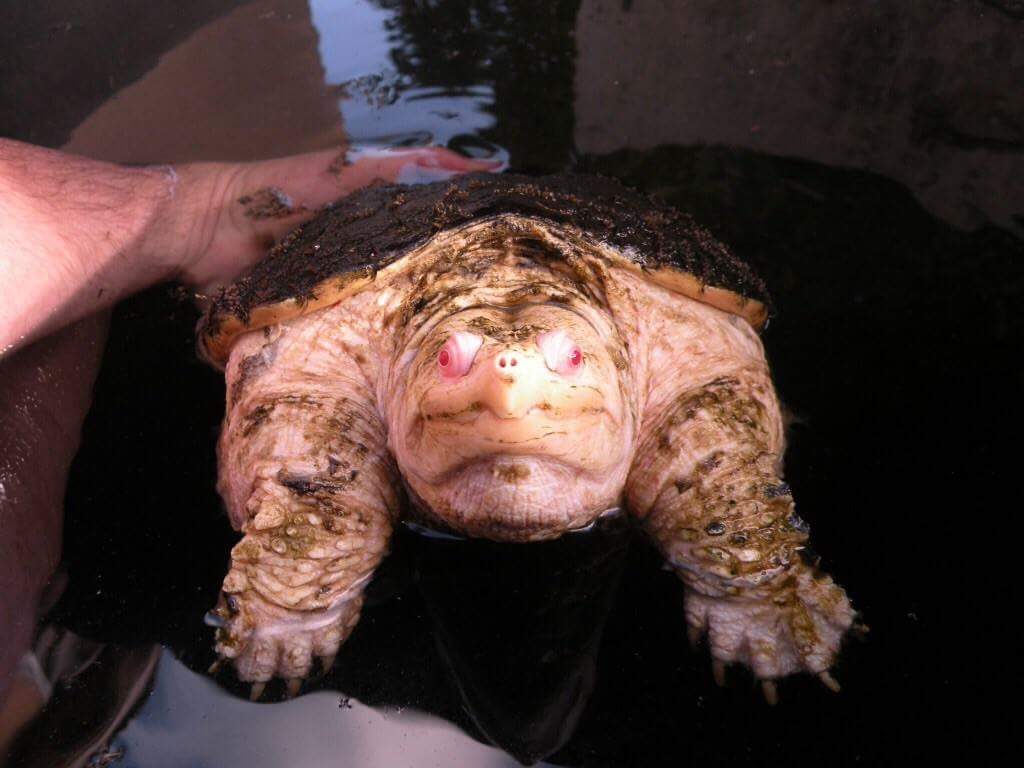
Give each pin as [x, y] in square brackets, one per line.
[866, 158]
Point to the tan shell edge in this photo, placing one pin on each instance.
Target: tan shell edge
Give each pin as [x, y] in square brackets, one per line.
[751, 310]
[217, 348]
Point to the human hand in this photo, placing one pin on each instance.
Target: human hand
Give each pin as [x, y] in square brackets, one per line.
[231, 214]
[77, 235]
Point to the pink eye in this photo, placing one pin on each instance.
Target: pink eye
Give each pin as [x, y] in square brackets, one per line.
[456, 356]
[561, 354]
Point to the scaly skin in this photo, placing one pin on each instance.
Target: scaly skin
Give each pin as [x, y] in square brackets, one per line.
[706, 482]
[308, 480]
[673, 415]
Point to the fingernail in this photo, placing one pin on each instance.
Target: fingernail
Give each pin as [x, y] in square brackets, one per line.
[495, 166]
[416, 173]
[457, 162]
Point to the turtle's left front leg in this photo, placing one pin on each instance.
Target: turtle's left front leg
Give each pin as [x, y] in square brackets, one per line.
[706, 482]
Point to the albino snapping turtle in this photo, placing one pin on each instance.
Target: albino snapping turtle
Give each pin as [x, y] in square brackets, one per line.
[509, 358]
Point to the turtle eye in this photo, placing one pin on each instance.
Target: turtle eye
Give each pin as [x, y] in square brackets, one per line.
[561, 354]
[456, 356]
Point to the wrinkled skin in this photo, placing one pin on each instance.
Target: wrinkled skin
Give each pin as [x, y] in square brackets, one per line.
[520, 400]
[540, 450]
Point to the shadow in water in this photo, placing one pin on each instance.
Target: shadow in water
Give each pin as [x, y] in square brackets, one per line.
[519, 629]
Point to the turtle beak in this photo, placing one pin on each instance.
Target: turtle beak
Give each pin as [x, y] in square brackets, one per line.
[513, 382]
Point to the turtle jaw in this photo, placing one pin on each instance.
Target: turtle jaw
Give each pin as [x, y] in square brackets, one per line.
[516, 479]
[517, 497]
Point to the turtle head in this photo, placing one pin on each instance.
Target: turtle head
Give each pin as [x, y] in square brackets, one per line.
[515, 422]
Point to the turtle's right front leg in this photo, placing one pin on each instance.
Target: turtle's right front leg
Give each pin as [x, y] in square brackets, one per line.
[307, 478]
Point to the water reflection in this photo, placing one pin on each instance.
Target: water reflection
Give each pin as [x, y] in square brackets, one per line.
[522, 644]
[384, 107]
[522, 51]
[318, 729]
[247, 86]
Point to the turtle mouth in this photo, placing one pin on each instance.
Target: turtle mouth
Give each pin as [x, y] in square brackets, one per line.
[539, 411]
[540, 422]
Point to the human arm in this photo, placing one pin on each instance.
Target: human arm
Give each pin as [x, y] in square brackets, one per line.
[77, 235]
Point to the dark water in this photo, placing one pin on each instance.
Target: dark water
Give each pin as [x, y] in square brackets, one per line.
[866, 158]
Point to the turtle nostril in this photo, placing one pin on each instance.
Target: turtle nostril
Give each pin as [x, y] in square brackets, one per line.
[502, 362]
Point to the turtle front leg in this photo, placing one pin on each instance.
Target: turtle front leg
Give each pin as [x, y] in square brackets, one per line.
[306, 476]
[707, 484]
[295, 585]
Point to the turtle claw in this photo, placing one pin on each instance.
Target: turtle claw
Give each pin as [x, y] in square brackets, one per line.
[292, 687]
[718, 672]
[770, 691]
[829, 682]
[327, 662]
[215, 667]
[256, 691]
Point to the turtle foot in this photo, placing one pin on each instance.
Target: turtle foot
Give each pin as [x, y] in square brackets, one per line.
[797, 628]
[263, 641]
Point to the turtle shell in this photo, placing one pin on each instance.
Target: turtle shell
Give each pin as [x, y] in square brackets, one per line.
[340, 251]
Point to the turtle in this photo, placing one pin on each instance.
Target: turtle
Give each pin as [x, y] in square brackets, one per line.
[510, 358]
